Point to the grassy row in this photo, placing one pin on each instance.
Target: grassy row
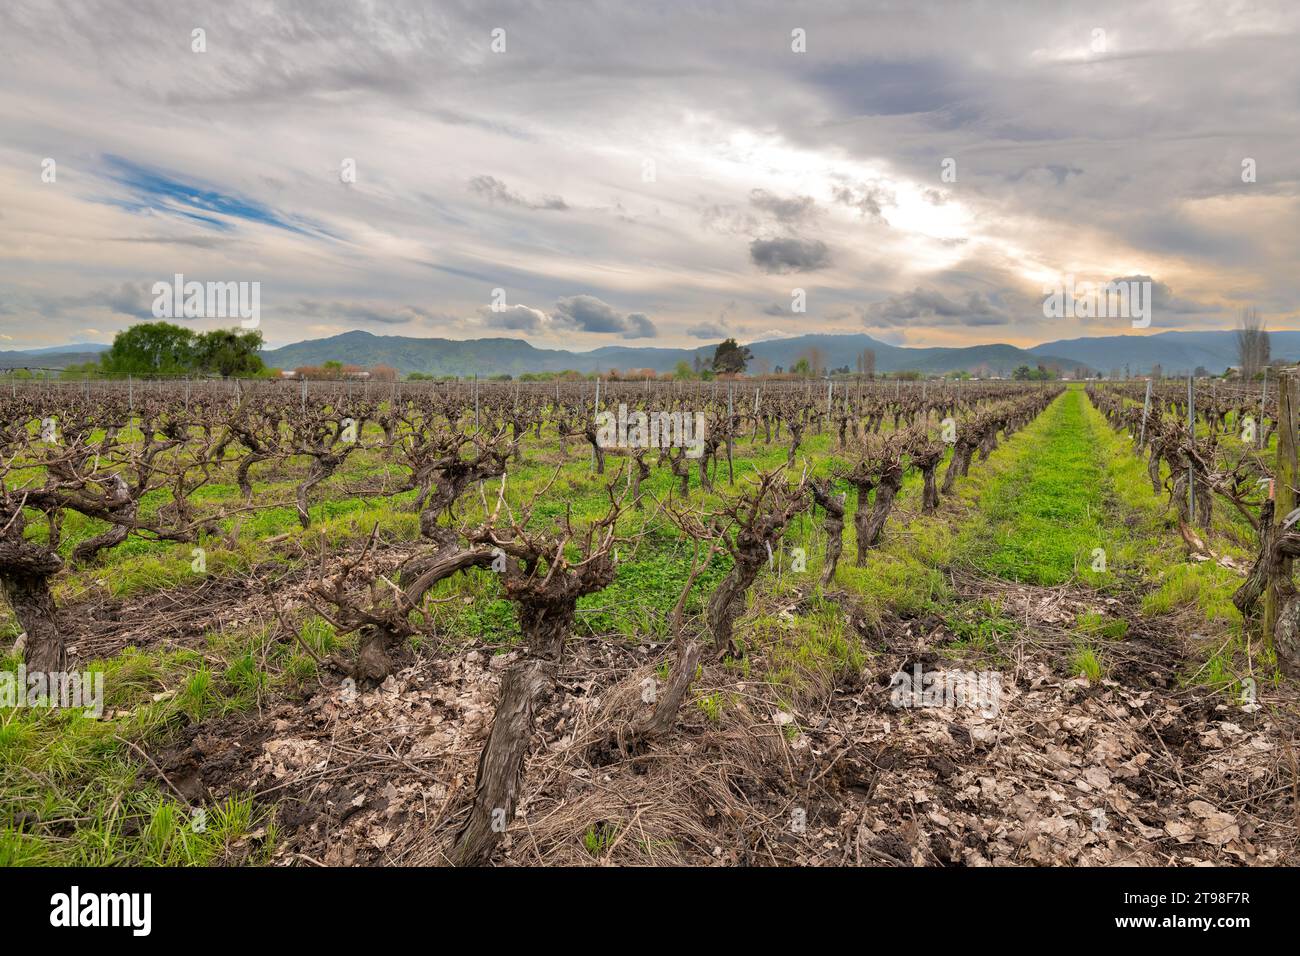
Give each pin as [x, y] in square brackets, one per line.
[72, 791]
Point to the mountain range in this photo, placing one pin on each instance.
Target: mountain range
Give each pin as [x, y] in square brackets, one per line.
[497, 356]
[52, 357]
[1175, 352]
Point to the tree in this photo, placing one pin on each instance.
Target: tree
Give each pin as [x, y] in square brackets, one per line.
[229, 352]
[80, 371]
[867, 363]
[160, 348]
[813, 361]
[730, 358]
[150, 348]
[1022, 374]
[682, 372]
[1253, 348]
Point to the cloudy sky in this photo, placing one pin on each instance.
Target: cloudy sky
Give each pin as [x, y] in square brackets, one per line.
[647, 174]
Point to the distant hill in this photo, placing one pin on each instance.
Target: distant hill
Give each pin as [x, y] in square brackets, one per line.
[1176, 352]
[79, 347]
[842, 350]
[493, 356]
[57, 356]
[497, 356]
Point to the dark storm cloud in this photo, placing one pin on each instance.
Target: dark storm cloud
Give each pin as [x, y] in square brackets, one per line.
[133, 299]
[708, 330]
[789, 211]
[519, 318]
[364, 312]
[789, 254]
[640, 326]
[586, 313]
[931, 307]
[1163, 299]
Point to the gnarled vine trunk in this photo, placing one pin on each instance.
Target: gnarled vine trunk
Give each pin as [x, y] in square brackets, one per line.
[727, 602]
[891, 479]
[25, 572]
[525, 686]
[834, 527]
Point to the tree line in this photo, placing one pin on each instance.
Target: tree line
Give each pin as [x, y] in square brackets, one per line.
[163, 349]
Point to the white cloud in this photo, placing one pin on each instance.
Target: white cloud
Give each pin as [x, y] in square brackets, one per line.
[639, 159]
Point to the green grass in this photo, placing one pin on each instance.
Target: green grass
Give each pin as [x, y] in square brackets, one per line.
[1086, 662]
[1197, 594]
[979, 625]
[711, 705]
[806, 651]
[1206, 586]
[645, 590]
[72, 792]
[1099, 625]
[1042, 513]
[598, 838]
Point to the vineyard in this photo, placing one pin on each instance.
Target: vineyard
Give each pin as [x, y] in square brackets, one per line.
[733, 623]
